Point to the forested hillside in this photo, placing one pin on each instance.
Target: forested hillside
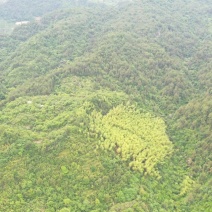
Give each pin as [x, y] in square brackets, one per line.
[106, 106]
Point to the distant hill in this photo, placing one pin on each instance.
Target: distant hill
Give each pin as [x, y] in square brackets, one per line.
[16, 10]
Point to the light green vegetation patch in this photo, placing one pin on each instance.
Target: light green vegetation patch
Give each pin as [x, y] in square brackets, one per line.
[138, 138]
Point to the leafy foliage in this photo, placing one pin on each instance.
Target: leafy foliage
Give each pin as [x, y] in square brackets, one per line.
[66, 83]
[138, 138]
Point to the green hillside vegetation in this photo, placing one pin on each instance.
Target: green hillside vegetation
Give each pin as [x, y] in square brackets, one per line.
[106, 108]
[138, 138]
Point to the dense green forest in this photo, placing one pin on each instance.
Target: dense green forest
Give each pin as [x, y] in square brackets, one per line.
[106, 106]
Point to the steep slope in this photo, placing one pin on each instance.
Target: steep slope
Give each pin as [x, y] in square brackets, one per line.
[69, 140]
